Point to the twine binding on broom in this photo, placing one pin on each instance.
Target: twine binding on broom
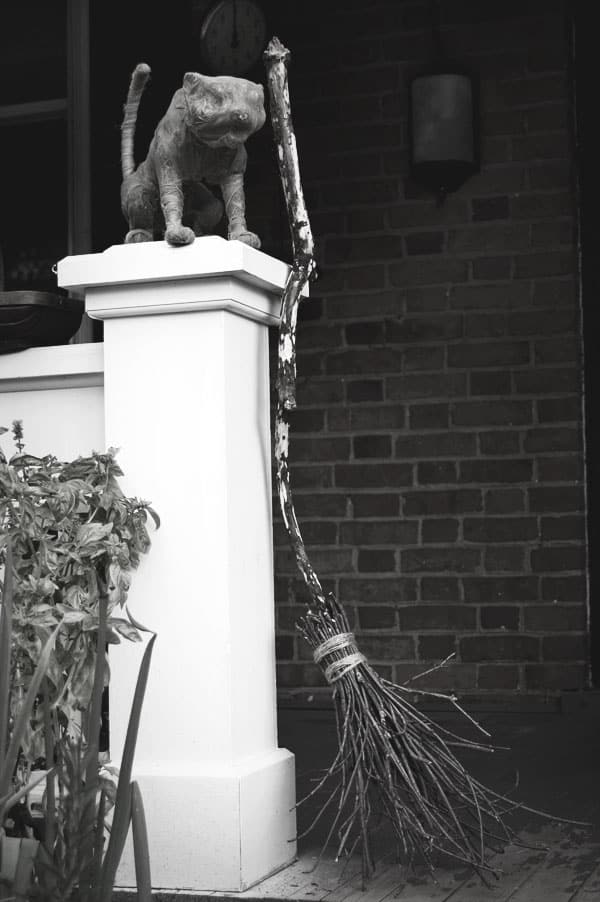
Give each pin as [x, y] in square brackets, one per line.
[338, 667]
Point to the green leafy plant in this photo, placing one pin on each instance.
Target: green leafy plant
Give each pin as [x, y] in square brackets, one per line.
[69, 538]
[76, 538]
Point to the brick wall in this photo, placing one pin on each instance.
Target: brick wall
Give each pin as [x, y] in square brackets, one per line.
[437, 449]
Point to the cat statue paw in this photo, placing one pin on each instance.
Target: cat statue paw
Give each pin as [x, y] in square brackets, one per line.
[245, 237]
[200, 141]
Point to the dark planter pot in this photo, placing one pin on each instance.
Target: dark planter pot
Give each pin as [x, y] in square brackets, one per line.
[33, 319]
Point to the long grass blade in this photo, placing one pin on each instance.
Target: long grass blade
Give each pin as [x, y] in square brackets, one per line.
[5, 648]
[121, 818]
[141, 851]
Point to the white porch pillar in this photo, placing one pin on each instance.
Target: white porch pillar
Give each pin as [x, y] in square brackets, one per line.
[187, 402]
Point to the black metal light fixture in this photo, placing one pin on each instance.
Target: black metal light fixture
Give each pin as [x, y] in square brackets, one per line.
[443, 127]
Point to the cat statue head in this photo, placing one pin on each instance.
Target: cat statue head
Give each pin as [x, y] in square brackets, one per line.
[222, 111]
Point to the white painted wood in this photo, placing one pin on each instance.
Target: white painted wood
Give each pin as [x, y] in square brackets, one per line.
[187, 402]
[156, 261]
[58, 394]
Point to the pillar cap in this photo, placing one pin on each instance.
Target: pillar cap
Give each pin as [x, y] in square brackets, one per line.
[156, 261]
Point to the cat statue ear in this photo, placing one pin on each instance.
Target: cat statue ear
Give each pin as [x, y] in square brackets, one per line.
[191, 80]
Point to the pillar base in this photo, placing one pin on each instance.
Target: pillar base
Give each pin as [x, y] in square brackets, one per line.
[218, 829]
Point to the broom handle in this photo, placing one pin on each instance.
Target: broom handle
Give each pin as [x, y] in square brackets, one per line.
[276, 58]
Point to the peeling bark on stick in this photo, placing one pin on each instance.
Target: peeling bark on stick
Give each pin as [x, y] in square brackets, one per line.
[303, 269]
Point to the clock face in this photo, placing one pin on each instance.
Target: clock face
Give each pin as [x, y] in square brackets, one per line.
[233, 36]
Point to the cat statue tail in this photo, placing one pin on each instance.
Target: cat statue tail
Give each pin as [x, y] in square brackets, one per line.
[140, 76]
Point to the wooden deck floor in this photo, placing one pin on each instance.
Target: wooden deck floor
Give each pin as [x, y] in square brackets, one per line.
[568, 870]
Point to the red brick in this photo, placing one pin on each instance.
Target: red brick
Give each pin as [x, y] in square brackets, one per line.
[426, 385]
[556, 499]
[367, 418]
[439, 530]
[491, 413]
[500, 589]
[503, 558]
[488, 354]
[371, 304]
[364, 362]
[321, 449]
[377, 617]
[382, 504]
[314, 532]
[550, 146]
[565, 647]
[491, 268]
[498, 676]
[426, 357]
[319, 391]
[364, 390]
[500, 529]
[364, 333]
[388, 648]
[376, 560]
[372, 446]
[436, 617]
[566, 528]
[436, 472]
[499, 617]
[560, 469]
[379, 532]
[485, 238]
[452, 677]
[284, 648]
[424, 243]
[554, 618]
[441, 503]
[438, 559]
[558, 557]
[424, 271]
[428, 416]
[312, 477]
[320, 504]
[499, 296]
[504, 501]
[438, 444]
[553, 410]
[486, 325]
[564, 588]
[546, 677]
[499, 441]
[423, 328]
[436, 647]
[556, 350]
[486, 208]
[542, 322]
[489, 471]
[378, 590]
[380, 247]
[499, 648]
[528, 266]
[490, 383]
[547, 379]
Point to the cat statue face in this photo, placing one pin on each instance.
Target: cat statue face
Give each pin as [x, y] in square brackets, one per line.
[199, 142]
[223, 111]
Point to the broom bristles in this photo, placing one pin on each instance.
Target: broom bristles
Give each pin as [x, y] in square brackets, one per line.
[395, 764]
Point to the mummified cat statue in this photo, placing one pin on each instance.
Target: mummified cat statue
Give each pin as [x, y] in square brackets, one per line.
[198, 142]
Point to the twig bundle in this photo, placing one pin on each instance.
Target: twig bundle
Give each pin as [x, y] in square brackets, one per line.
[392, 760]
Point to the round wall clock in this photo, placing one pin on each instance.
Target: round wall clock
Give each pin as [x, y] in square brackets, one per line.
[233, 36]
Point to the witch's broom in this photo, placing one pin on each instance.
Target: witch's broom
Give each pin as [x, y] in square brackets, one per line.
[392, 760]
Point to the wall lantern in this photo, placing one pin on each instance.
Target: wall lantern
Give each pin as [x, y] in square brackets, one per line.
[443, 129]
